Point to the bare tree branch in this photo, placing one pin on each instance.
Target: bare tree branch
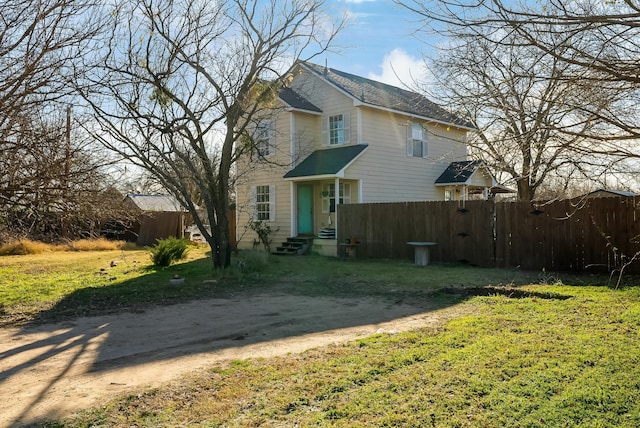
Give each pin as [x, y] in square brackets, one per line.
[180, 82]
[552, 90]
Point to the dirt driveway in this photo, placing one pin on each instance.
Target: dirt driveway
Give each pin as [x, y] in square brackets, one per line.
[51, 370]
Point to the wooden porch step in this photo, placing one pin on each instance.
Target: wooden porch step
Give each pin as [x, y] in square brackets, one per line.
[294, 246]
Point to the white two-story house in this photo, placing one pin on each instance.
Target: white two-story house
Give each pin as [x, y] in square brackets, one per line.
[337, 138]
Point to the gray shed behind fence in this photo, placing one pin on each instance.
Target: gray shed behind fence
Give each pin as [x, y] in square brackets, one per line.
[161, 216]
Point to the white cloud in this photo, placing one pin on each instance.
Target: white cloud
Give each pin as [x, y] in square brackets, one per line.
[401, 69]
[354, 17]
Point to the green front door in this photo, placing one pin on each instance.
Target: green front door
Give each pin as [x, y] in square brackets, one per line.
[305, 210]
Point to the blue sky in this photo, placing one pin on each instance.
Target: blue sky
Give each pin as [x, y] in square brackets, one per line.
[377, 42]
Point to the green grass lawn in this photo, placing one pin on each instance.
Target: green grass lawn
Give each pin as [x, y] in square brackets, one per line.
[58, 285]
[54, 286]
[564, 352]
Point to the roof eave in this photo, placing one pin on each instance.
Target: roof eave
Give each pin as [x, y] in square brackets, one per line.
[301, 110]
[459, 183]
[315, 177]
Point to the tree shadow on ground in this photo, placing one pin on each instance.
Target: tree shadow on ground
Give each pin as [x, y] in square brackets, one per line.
[101, 330]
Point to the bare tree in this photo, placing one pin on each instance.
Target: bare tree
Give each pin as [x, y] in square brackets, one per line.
[179, 83]
[40, 43]
[529, 113]
[602, 39]
[53, 183]
[610, 30]
[601, 36]
[540, 116]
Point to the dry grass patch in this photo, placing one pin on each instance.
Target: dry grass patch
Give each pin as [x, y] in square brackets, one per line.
[22, 247]
[99, 244]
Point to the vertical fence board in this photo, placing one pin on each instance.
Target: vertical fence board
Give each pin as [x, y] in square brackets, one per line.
[502, 230]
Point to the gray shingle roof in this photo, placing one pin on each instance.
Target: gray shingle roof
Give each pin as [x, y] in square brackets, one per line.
[382, 95]
[297, 101]
[326, 162]
[613, 192]
[458, 172]
[156, 203]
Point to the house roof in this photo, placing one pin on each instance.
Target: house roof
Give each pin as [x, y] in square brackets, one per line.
[327, 161]
[297, 101]
[610, 192]
[156, 203]
[459, 172]
[381, 95]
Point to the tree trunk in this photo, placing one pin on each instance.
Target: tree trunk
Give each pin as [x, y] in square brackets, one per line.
[221, 251]
[525, 191]
[221, 248]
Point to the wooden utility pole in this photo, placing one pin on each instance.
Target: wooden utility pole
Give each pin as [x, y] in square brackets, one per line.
[66, 179]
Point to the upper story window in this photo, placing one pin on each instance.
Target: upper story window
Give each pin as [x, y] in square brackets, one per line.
[263, 138]
[329, 196]
[336, 129]
[416, 141]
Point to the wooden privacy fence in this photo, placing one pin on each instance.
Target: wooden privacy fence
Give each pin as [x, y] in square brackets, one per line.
[592, 234]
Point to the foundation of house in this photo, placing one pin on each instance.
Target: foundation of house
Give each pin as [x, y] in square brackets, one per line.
[325, 247]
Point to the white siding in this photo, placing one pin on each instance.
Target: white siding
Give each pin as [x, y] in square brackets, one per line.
[330, 101]
[266, 173]
[388, 174]
[480, 178]
[306, 136]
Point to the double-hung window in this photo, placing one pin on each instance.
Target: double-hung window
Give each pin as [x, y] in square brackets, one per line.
[263, 138]
[416, 141]
[263, 203]
[329, 196]
[336, 129]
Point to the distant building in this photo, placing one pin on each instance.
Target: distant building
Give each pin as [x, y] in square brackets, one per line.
[607, 193]
[160, 216]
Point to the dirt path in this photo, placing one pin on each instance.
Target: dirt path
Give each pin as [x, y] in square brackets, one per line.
[51, 370]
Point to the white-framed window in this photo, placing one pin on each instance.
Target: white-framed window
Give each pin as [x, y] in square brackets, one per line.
[416, 141]
[448, 195]
[329, 196]
[263, 138]
[336, 129]
[263, 202]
